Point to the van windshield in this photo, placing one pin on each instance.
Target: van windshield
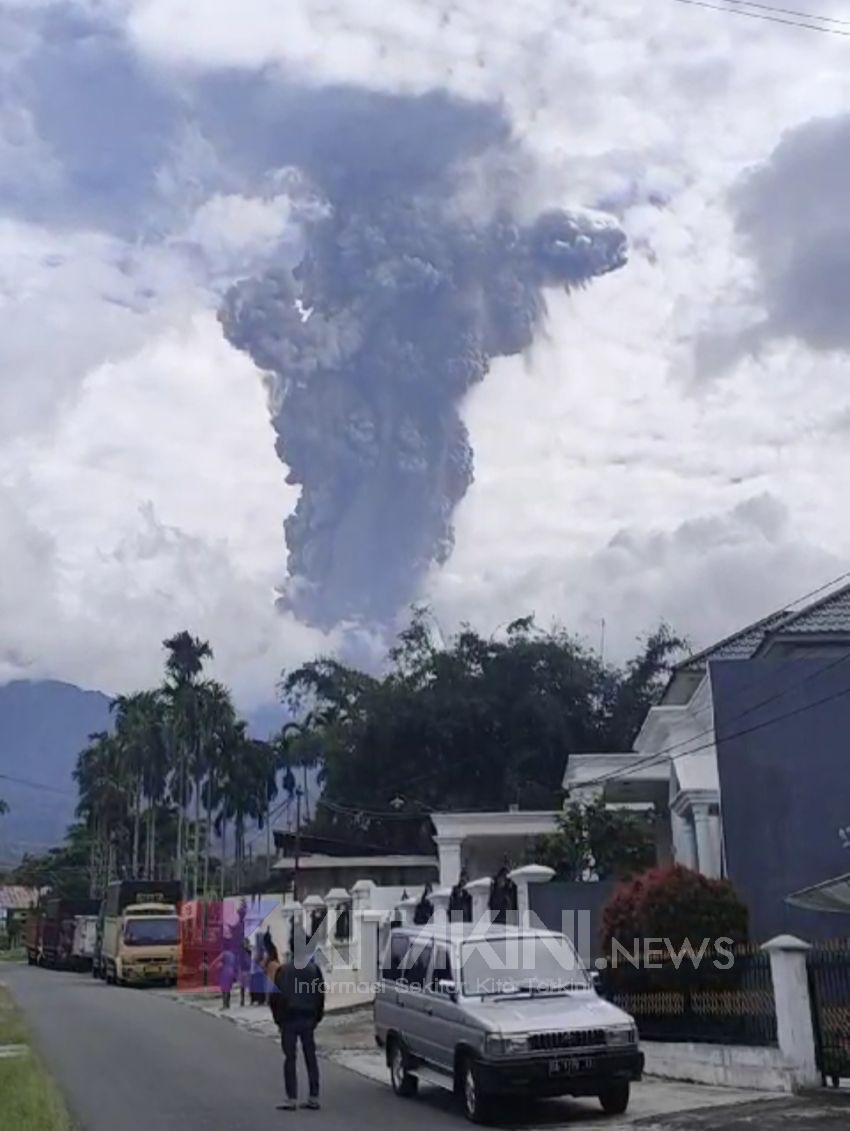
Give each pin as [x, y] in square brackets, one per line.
[151, 932]
[521, 964]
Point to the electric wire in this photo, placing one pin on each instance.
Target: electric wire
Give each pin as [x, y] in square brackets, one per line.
[763, 16]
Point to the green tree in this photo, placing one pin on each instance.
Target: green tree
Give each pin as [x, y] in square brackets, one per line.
[594, 842]
[140, 734]
[244, 797]
[475, 723]
[64, 870]
[183, 664]
[216, 721]
[104, 791]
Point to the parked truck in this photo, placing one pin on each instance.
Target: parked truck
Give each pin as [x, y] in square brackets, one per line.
[85, 934]
[58, 922]
[32, 935]
[139, 933]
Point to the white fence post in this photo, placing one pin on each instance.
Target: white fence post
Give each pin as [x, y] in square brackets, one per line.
[480, 891]
[793, 1007]
[406, 908]
[440, 902]
[523, 878]
[370, 924]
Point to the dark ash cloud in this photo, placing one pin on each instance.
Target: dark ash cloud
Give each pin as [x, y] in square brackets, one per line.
[394, 313]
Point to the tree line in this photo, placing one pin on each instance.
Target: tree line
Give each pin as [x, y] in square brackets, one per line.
[465, 723]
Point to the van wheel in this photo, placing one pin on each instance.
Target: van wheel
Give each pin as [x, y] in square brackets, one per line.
[403, 1083]
[614, 1097]
[476, 1103]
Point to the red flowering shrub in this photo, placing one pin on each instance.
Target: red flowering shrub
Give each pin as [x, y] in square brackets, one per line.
[673, 903]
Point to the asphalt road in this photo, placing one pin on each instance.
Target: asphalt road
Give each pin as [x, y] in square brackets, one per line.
[132, 1060]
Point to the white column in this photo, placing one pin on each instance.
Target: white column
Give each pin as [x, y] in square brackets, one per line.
[684, 839]
[793, 1007]
[523, 878]
[448, 849]
[708, 861]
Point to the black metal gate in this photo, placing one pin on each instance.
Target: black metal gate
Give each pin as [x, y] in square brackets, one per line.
[829, 985]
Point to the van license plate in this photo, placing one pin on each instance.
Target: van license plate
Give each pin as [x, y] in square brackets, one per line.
[569, 1065]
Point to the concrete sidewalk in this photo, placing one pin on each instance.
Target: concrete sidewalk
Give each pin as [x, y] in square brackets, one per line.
[347, 1015]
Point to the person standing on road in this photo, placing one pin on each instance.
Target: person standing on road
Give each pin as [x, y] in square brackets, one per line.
[226, 975]
[298, 1005]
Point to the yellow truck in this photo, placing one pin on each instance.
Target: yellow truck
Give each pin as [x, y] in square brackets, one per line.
[140, 933]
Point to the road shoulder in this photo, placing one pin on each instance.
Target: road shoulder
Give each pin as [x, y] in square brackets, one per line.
[29, 1100]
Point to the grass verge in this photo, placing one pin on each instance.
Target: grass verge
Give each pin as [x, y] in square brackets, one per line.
[29, 1100]
[16, 954]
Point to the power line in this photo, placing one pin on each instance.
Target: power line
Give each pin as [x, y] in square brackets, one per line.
[37, 785]
[789, 12]
[664, 755]
[762, 16]
[769, 618]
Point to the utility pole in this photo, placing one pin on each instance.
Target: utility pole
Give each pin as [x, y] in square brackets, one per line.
[298, 794]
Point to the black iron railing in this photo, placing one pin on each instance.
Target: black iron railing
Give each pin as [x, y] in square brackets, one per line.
[829, 986]
[707, 1004]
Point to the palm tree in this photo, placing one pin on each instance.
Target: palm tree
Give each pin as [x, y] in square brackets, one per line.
[103, 795]
[216, 720]
[183, 664]
[244, 792]
[301, 745]
[139, 732]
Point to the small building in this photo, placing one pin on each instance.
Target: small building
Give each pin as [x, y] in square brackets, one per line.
[15, 902]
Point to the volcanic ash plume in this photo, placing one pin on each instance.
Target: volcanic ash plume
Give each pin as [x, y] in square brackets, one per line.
[394, 312]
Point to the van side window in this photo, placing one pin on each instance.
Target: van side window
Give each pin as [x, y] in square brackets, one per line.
[442, 966]
[416, 965]
[394, 957]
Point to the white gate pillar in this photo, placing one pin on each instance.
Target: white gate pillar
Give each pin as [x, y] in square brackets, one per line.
[370, 926]
[793, 1007]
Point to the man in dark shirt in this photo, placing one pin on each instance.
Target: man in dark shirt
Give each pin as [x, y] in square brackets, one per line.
[297, 1005]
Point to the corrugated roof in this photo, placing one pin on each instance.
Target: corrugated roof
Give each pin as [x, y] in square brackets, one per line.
[14, 897]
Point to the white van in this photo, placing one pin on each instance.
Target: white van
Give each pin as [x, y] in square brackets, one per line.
[500, 1010]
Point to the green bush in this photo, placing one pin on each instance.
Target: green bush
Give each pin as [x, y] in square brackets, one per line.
[595, 842]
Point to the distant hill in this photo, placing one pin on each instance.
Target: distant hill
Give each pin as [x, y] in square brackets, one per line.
[43, 726]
